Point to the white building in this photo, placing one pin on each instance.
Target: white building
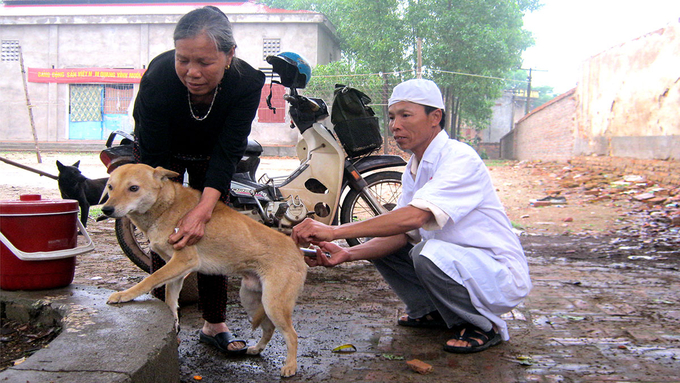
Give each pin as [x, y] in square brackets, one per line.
[83, 62]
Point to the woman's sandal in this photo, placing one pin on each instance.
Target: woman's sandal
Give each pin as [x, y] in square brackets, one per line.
[478, 340]
[431, 320]
[222, 341]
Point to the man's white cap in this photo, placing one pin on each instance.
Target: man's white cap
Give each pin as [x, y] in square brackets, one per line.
[418, 91]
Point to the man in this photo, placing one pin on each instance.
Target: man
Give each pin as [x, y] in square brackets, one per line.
[447, 249]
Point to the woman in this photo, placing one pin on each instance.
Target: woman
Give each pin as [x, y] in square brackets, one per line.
[193, 113]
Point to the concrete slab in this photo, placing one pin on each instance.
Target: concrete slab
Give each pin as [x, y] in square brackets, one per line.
[134, 342]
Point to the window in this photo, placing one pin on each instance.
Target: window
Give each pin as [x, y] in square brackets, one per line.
[10, 50]
[270, 47]
[117, 98]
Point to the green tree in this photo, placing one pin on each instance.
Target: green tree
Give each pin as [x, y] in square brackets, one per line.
[483, 38]
[467, 45]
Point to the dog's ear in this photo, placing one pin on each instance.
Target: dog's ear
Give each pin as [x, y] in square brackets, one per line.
[60, 166]
[162, 173]
[76, 164]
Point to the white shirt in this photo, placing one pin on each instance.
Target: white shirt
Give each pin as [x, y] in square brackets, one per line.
[470, 237]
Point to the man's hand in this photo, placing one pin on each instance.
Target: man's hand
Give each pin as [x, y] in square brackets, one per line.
[338, 255]
[311, 231]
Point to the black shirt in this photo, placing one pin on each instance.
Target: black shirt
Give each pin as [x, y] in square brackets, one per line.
[164, 126]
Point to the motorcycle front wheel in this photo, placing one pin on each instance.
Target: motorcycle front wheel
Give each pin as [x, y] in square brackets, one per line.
[385, 186]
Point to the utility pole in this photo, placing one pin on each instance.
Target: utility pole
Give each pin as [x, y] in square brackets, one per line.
[527, 105]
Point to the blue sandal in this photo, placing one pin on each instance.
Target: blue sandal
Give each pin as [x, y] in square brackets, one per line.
[222, 341]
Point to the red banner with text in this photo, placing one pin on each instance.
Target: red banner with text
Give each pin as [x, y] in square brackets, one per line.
[85, 75]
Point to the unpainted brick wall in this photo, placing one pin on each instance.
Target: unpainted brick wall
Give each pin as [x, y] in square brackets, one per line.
[547, 133]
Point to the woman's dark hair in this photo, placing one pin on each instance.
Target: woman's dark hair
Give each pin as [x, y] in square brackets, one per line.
[430, 109]
[210, 20]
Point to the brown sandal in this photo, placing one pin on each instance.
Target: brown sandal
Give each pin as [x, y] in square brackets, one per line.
[479, 340]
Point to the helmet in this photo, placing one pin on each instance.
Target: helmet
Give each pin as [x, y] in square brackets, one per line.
[293, 69]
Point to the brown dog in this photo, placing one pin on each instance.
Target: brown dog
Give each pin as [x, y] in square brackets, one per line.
[270, 263]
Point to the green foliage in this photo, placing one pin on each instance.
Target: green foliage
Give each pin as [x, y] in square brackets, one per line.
[484, 38]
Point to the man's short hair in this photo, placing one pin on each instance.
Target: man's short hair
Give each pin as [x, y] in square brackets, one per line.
[430, 109]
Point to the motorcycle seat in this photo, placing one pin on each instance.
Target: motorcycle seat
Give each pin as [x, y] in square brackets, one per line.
[254, 149]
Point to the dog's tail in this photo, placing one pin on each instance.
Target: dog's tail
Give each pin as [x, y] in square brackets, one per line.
[257, 318]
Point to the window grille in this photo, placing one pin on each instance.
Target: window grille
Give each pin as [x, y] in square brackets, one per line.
[117, 98]
[270, 75]
[270, 47]
[10, 50]
[86, 102]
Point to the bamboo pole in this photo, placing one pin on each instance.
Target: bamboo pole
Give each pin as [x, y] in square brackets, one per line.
[29, 106]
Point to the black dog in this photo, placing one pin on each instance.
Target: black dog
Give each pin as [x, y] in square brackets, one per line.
[74, 185]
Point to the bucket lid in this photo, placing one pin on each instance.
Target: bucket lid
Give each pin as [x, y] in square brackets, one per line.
[34, 204]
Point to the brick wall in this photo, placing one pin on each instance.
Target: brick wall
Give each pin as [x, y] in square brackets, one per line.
[490, 150]
[664, 172]
[547, 133]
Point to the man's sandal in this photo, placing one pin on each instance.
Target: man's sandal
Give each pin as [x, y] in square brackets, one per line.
[431, 320]
[222, 341]
[477, 339]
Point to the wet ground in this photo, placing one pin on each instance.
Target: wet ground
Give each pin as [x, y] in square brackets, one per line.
[605, 305]
[611, 318]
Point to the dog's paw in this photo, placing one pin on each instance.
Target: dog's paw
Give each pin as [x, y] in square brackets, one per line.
[253, 350]
[288, 371]
[119, 297]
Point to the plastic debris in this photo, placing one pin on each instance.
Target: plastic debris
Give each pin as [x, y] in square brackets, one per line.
[345, 349]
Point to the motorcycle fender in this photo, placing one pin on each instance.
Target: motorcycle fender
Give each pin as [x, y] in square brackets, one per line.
[370, 163]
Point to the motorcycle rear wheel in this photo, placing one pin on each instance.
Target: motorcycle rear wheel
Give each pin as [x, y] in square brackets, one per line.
[134, 243]
[385, 186]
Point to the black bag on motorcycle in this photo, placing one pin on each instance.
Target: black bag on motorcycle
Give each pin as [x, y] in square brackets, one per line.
[354, 121]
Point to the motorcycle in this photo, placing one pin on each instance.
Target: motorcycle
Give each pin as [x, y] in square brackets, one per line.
[330, 185]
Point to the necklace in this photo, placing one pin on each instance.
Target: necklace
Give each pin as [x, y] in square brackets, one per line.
[191, 106]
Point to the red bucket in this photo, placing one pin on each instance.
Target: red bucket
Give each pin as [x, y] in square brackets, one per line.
[38, 243]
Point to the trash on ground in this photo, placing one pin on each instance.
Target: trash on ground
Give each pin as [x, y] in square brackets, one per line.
[345, 348]
[419, 366]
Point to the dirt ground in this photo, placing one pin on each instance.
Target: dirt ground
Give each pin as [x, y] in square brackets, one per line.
[605, 304]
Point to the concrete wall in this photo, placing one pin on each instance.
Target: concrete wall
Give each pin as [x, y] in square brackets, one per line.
[629, 98]
[508, 110]
[547, 133]
[626, 104]
[129, 37]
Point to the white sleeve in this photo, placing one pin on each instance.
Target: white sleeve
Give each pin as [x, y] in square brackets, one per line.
[439, 216]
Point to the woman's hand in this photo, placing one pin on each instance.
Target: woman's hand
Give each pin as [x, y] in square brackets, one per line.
[311, 231]
[191, 228]
[338, 255]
